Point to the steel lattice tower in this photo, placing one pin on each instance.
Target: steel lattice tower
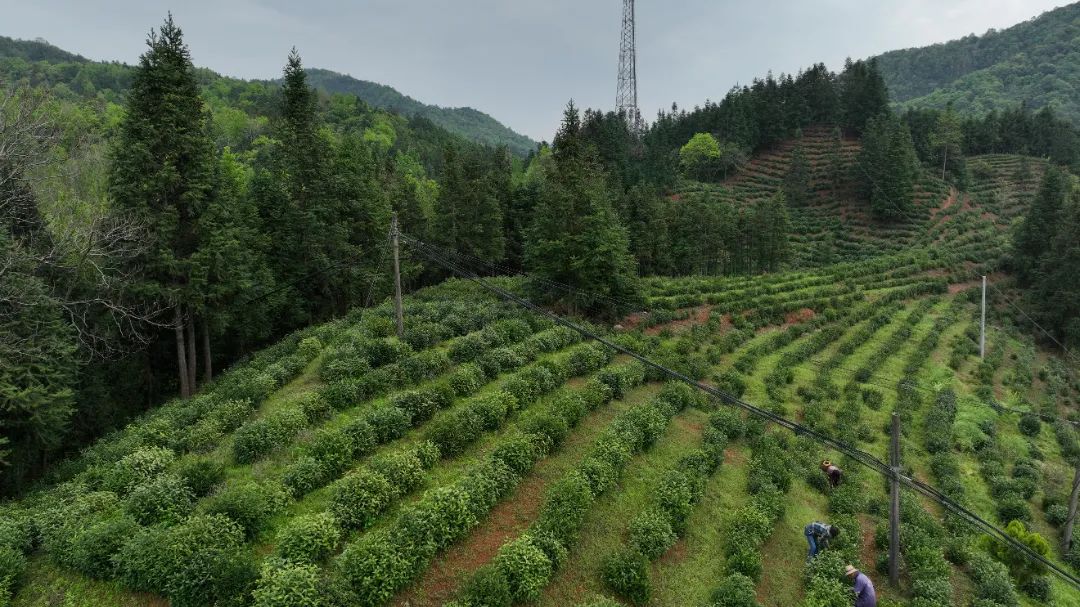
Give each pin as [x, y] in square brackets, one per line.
[626, 96]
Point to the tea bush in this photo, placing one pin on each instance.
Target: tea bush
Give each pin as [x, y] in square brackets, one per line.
[308, 538]
[651, 533]
[287, 584]
[250, 504]
[626, 573]
[526, 568]
[165, 499]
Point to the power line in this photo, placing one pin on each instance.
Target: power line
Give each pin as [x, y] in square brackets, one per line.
[858, 455]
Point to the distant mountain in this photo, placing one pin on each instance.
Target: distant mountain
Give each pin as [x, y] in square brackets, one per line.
[465, 121]
[1036, 62]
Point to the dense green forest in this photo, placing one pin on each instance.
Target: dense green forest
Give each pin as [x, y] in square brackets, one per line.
[467, 122]
[1036, 63]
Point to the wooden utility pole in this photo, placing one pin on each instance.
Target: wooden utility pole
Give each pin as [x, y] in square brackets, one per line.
[1066, 538]
[397, 278]
[894, 506]
[982, 322]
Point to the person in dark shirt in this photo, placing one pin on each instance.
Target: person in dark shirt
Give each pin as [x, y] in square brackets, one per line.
[817, 537]
[833, 472]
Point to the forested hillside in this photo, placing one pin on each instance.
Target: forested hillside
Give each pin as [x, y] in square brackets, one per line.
[1036, 62]
[471, 124]
[620, 362]
[41, 62]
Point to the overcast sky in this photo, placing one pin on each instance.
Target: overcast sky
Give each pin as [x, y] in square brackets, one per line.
[518, 60]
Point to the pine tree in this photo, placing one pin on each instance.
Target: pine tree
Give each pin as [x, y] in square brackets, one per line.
[1058, 290]
[230, 263]
[575, 237]
[888, 167]
[947, 140]
[797, 178]
[863, 94]
[1036, 232]
[835, 160]
[162, 173]
[468, 211]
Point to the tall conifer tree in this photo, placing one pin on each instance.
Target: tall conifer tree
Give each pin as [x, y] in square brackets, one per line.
[576, 237]
[162, 173]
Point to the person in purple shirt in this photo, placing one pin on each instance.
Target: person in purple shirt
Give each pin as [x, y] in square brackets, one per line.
[864, 588]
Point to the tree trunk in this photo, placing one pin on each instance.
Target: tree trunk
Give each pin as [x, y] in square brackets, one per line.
[208, 367]
[189, 328]
[1066, 538]
[181, 354]
[944, 162]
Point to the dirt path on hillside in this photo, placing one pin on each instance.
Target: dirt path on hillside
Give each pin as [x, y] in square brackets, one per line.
[507, 520]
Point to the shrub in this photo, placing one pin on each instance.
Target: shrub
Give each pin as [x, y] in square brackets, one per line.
[201, 474]
[675, 495]
[735, 590]
[746, 560]
[357, 499]
[92, 550]
[1057, 514]
[519, 452]
[259, 437]
[525, 567]
[201, 561]
[455, 430]
[375, 568]
[304, 475]
[651, 533]
[626, 573]
[1030, 424]
[466, 379]
[992, 581]
[731, 382]
[332, 448]
[1013, 507]
[362, 436]
[488, 587]
[728, 421]
[565, 506]
[285, 584]
[548, 424]
[341, 366]
[136, 468]
[309, 538]
[388, 423]
[12, 566]
[250, 504]
[343, 393]
[162, 499]
[315, 408]
[492, 409]
[423, 366]
[403, 469]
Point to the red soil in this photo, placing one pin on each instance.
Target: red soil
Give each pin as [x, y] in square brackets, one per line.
[699, 316]
[798, 316]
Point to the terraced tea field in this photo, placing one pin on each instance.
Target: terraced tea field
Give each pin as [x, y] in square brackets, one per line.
[491, 458]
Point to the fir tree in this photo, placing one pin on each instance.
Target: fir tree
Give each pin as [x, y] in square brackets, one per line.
[797, 179]
[1036, 232]
[1058, 290]
[576, 237]
[863, 94]
[468, 211]
[162, 173]
[888, 167]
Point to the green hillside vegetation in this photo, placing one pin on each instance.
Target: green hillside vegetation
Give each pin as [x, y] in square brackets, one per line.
[467, 122]
[1035, 63]
[490, 454]
[41, 63]
[798, 245]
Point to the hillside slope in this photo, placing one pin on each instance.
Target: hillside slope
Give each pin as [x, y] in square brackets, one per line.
[42, 63]
[465, 121]
[1037, 62]
[393, 472]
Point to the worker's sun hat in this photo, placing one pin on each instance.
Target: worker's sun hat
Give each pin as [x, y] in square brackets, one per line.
[850, 571]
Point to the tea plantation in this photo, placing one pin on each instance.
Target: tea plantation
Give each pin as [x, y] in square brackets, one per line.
[491, 457]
